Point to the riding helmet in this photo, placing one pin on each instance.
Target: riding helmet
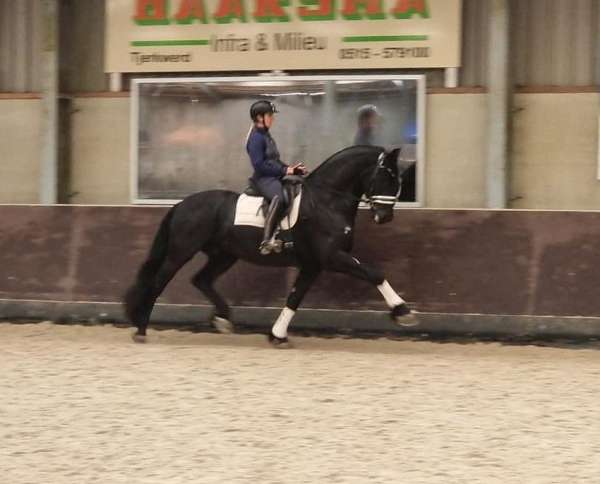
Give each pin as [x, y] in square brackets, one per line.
[262, 107]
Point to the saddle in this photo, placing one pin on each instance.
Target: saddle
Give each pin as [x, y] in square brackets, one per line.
[292, 184]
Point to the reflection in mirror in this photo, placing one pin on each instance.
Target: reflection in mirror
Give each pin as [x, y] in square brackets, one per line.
[191, 133]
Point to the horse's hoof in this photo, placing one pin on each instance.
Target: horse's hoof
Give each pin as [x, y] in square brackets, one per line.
[403, 316]
[279, 343]
[407, 321]
[138, 338]
[222, 325]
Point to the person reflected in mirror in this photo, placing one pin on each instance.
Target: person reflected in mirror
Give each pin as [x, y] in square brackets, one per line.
[369, 120]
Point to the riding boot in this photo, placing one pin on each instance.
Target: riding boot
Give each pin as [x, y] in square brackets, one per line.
[269, 244]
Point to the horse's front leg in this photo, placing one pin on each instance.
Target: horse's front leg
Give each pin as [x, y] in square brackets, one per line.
[278, 333]
[346, 264]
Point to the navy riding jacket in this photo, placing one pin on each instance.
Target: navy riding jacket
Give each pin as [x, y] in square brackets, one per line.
[264, 155]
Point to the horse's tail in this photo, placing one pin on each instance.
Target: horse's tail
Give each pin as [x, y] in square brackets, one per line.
[139, 296]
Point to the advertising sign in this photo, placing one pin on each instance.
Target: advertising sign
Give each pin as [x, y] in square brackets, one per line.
[237, 35]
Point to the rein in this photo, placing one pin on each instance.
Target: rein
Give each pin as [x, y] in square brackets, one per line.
[341, 194]
[368, 197]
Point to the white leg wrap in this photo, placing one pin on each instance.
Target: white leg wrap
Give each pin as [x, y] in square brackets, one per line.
[283, 321]
[391, 298]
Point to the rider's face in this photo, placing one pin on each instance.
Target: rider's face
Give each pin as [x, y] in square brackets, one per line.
[265, 121]
[268, 120]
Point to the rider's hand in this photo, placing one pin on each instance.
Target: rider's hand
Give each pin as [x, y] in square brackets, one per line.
[300, 169]
[297, 169]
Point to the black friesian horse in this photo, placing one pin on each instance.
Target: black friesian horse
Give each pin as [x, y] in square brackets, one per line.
[323, 237]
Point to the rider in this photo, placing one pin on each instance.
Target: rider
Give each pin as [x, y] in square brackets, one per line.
[268, 170]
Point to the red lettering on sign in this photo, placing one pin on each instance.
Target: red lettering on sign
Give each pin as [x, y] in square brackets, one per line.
[324, 10]
[151, 12]
[269, 9]
[230, 9]
[191, 10]
[408, 8]
[372, 8]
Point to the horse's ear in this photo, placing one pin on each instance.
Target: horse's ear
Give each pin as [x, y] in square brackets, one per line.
[391, 155]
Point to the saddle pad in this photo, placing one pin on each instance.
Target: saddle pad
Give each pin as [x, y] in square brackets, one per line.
[248, 212]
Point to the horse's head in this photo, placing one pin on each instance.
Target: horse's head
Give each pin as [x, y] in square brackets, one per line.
[384, 187]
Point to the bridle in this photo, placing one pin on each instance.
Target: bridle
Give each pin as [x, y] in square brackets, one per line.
[373, 200]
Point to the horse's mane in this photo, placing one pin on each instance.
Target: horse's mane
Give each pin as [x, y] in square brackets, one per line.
[341, 153]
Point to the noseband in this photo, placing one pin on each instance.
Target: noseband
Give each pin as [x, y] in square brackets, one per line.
[381, 199]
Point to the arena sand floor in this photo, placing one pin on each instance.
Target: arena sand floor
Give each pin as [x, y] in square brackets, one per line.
[83, 404]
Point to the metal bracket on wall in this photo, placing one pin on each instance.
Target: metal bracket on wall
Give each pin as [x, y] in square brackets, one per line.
[451, 77]
[116, 82]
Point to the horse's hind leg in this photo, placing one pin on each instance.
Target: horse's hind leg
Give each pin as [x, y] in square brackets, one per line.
[204, 279]
[167, 270]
